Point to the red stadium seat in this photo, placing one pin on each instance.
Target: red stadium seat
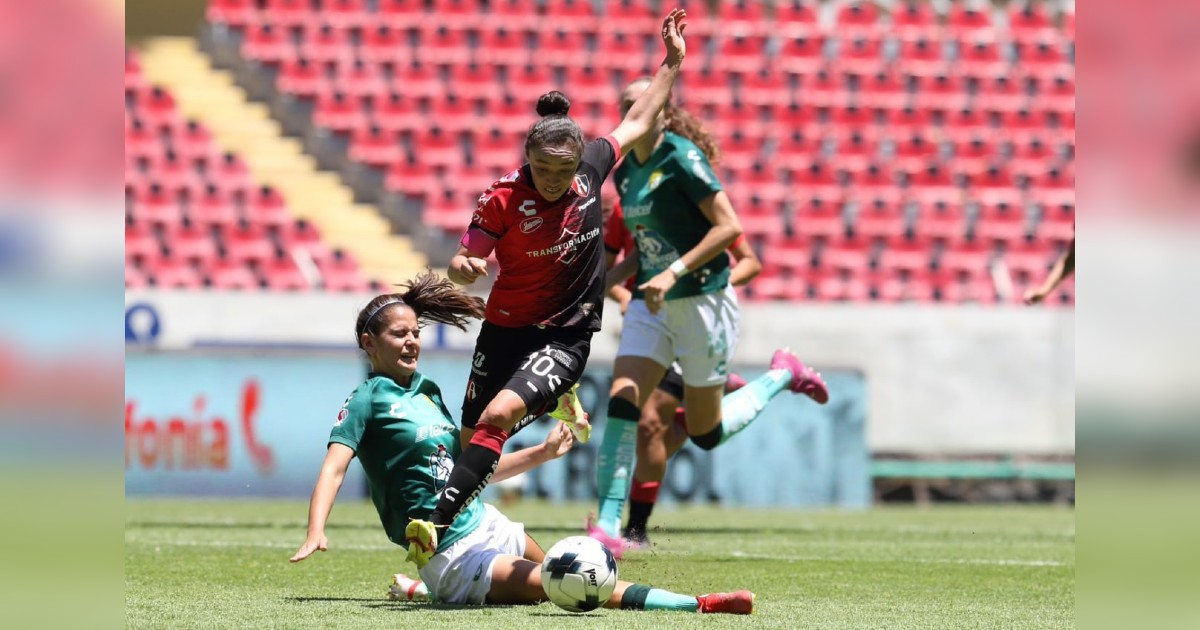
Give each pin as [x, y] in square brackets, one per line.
[1030, 22]
[474, 81]
[340, 272]
[795, 150]
[141, 141]
[861, 55]
[246, 243]
[156, 108]
[816, 180]
[326, 42]
[287, 13]
[213, 206]
[963, 19]
[796, 17]
[856, 152]
[764, 87]
[384, 44]
[940, 220]
[941, 91]
[707, 85]
[823, 90]
[411, 178]
[236, 14]
[1042, 58]
[932, 183]
[302, 78]
[419, 79]
[504, 46]
[1032, 256]
[172, 273]
[630, 16]
[135, 278]
[156, 206]
[909, 254]
[912, 20]
[400, 14]
[975, 154]
[882, 90]
[1001, 222]
[338, 113]
[140, 242]
[970, 256]
[801, 53]
[267, 44]
[346, 14]
[818, 218]
[231, 173]
[1033, 157]
[741, 52]
[625, 50]
[302, 235]
[923, 57]
[571, 15]
[375, 147]
[453, 114]
[228, 275]
[913, 151]
[857, 15]
[849, 254]
[981, 57]
[842, 286]
[879, 218]
[282, 274]
[443, 44]
[1057, 223]
[397, 112]
[437, 147]
[190, 242]
[267, 208]
[565, 48]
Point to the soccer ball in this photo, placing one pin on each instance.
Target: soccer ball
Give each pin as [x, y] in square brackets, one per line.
[579, 574]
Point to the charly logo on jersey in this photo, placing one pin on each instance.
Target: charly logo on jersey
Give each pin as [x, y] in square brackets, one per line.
[512, 176]
[582, 185]
[530, 225]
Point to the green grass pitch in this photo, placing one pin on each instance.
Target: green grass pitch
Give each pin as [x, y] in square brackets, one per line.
[224, 564]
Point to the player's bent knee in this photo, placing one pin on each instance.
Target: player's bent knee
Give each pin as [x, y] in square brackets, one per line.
[709, 441]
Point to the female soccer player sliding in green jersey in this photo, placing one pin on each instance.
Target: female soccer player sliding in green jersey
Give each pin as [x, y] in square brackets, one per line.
[683, 307]
[399, 428]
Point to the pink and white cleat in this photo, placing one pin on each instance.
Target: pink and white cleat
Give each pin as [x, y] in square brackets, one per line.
[734, 382]
[615, 544]
[805, 380]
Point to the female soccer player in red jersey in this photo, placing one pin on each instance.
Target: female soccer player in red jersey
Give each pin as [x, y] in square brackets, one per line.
[543, 221]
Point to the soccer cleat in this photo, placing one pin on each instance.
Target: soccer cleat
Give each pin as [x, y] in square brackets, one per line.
[570, 411]
[615, 544]
[422, 542]
[733, 383]
[406, 589]
[739, 603]
[805, 380]
[635, 540]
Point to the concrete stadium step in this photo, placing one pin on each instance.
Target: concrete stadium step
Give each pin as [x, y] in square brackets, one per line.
[246, 128]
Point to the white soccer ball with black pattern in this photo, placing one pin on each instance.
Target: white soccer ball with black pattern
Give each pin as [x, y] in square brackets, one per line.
[579, 574]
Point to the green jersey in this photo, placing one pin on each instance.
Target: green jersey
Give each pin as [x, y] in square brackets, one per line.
[407, 444]
[661, 203]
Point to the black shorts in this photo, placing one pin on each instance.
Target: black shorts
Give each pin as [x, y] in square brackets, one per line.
[537, 364]
[672, 382]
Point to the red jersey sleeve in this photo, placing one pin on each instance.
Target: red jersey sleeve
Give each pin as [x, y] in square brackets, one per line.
[615, 232]
[489, 215]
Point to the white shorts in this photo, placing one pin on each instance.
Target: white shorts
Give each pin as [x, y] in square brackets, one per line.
[462, 574]
[700, 332]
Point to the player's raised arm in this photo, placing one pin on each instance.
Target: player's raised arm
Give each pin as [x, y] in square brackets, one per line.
[641, 116]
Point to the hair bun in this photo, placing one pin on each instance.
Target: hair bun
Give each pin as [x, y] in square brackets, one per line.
[553, 103]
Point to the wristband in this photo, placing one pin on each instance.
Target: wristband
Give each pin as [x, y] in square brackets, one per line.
[678, 268]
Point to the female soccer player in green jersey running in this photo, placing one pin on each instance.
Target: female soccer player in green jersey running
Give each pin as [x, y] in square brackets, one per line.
[683, 307]
[398, 426]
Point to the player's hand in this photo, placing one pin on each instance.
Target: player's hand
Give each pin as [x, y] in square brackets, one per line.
[623, 301]
[672, 34]
[655, 290]
[314, 543]
[1033, 296]
[471, 268]
[558, 441]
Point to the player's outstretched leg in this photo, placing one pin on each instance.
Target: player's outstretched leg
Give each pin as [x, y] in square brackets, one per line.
[630, 596]
[740, 408]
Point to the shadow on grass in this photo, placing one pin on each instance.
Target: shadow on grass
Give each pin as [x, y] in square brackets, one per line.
[375, 602]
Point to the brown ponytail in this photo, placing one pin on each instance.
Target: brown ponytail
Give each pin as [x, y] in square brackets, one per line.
[432, 298]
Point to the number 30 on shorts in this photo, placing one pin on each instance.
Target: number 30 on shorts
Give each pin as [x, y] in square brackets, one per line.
[541, 364]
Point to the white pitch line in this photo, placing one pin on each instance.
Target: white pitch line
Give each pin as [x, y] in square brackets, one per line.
[976, 561]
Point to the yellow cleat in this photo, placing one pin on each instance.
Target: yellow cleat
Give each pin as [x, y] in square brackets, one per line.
[422, 542]
[571, 412]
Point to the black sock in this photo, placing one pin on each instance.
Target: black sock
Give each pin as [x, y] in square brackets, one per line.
[471, 474]
[639, 515]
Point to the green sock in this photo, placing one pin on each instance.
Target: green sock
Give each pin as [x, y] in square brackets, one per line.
[642, 597]
[614, 466]
[740, 408]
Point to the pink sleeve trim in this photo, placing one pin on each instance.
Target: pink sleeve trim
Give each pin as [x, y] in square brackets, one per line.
[478, 242]
[616, 145]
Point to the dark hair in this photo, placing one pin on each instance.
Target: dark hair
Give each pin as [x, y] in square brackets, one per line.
[682, 122]
[432, 298]
[555, 128]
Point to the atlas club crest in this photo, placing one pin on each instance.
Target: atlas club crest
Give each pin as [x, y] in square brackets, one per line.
[581, 185]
